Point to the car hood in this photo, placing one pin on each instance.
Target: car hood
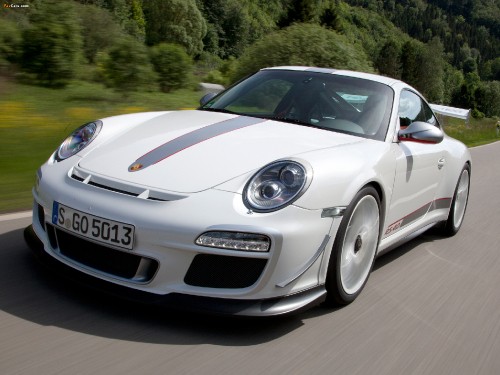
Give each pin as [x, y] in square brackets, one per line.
[191, 151]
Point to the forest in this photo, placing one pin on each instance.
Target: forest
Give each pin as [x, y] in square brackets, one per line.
[449, 50]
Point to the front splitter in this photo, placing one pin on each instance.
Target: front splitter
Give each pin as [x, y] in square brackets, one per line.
[293, 303]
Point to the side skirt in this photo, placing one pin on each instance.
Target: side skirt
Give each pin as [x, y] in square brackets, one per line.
[385, 248]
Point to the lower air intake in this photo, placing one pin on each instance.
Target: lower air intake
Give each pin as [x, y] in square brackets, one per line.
[218, 271]
[102, 258]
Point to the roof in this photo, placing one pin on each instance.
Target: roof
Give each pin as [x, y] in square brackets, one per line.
[373, 77]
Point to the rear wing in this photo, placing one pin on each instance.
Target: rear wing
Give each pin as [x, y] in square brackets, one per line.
[451, 111]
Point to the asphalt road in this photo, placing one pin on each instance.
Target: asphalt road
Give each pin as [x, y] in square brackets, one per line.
[430, 307]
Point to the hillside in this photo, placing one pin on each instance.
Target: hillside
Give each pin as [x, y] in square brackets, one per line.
[449, 50]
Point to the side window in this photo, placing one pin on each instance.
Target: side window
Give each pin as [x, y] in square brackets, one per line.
[412, 108]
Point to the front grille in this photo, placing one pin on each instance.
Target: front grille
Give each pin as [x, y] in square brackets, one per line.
[219, 271]
[113, 262]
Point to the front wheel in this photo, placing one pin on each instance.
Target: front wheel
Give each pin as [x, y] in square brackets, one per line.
[354, 249]
[458, 204]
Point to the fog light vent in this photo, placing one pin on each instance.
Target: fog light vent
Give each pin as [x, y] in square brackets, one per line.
[235, 241]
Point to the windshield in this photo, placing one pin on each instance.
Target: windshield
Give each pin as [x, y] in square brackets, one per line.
[339, 103]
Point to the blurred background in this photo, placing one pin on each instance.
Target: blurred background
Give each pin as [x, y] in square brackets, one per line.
[67, 62]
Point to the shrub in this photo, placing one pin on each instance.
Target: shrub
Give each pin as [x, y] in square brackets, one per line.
[51, 47]
[10, 41]
[173, 65]
[175, 21]
[126, 67]
[99, 30]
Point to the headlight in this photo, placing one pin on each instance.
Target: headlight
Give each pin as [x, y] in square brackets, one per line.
[276, 185]
[78, 140]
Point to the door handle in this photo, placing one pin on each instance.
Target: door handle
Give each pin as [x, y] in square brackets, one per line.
[441, 163]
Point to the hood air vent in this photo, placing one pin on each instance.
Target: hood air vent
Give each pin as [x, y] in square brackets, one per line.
[140, 192]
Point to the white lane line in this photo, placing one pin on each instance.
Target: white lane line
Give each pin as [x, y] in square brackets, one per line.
[487, 144]
[15, 216]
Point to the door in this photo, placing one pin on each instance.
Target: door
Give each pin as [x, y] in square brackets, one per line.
[419, 169]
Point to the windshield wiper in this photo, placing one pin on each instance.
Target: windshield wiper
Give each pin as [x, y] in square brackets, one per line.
[294, 121]
[273, 118]
[221, 110]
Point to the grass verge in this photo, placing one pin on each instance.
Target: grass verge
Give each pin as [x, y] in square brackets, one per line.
[476, 133]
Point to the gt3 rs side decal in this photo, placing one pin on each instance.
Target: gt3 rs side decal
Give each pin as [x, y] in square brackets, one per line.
[190, 139]
[417, 214]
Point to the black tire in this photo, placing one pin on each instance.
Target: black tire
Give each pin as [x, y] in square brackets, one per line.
[458, 205]
[354, 248]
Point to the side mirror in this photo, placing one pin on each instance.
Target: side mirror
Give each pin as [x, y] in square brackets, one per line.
[422, 132]
[207, 97]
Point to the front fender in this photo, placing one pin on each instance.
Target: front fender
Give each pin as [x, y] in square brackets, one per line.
[341, 172]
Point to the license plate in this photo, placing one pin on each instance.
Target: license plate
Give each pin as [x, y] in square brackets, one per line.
[93, 227]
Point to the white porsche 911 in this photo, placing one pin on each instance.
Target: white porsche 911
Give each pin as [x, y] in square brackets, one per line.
[273, 196]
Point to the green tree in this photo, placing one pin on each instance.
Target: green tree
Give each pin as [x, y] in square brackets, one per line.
[431, 71]
[423, 66]
[99, 30]
[10, 41]
[51, 47]
[410, 60]
[127, 67]
[453, 80]
[466, 97]
[135, 25]
[331, 16]
[461, 23]
[388, 62]
[232, 25]
[302, 11]
[495, 69]
[173, 65]
[227, 27]
[175, 21]
[126, 13]
[370, 30]
[303, 44]
[233, 28]
[488, 98]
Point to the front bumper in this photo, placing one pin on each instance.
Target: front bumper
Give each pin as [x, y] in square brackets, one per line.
[268, 307]
[289, 277]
